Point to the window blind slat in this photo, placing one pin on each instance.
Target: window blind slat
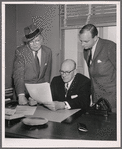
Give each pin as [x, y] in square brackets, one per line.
[76, 21]
[76, 15]
[75, 10]
[99, 19]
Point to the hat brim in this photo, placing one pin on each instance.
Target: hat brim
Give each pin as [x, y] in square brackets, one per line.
[24, 39]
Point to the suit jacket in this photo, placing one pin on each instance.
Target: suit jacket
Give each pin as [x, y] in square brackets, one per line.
[103, 71]
[25, 68]
[78, 95]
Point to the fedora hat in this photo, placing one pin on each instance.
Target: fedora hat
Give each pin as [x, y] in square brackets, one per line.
[31, 32]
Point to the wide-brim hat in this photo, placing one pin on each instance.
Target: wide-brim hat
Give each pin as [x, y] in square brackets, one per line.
[31, 32]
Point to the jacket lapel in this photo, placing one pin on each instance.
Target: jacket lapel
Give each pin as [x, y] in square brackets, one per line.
[72, 85]
[31, 56]
[98, 49]
[43, 58]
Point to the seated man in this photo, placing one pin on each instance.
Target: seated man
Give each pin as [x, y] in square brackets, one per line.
[70, 90]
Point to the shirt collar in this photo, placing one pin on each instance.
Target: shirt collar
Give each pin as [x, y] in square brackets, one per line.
[39, 52]
[69, 83]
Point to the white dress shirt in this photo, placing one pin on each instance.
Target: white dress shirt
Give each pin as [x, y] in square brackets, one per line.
[93, 50]
[39, 55]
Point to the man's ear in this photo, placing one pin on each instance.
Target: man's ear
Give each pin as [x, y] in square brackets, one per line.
[95, 38]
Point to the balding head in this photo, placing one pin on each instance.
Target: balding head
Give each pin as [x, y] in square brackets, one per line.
[68, 64]
[68, 70]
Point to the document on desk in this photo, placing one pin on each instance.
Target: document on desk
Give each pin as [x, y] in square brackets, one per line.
[55, 116]
[40, 92]
[25, 110]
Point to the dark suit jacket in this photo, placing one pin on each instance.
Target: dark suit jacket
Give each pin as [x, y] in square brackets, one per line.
[103, 71]
[80, 86]
[25, 68]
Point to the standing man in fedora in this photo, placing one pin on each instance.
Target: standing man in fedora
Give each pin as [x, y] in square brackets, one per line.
[32, 63]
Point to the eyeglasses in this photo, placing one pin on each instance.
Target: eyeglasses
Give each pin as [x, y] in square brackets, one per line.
[65, 72]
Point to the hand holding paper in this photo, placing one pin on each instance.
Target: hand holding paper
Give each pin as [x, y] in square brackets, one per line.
[32, 102]
[22, 100]
[55, 105]
[50, 105]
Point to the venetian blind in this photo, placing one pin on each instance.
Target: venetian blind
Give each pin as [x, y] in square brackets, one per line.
[98, 14]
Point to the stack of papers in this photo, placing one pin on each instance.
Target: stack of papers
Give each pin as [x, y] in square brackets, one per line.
[10, 114]
[19, 112]
[8, 92]
[25, 110]
[14, 116]
[9, 111]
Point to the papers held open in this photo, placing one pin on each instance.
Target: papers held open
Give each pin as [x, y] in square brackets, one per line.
[40, 92]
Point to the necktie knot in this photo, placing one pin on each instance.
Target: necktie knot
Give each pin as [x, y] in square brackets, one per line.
[66, 89]
[36, 52]
[66, 85]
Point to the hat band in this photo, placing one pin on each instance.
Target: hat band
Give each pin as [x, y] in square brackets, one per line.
[32, 34]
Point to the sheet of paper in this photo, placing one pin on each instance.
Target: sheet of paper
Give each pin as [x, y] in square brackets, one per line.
[12, 117]
[40, 92]
[55, 116]
[25, 110]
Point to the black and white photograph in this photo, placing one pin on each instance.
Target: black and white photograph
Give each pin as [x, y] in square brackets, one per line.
[61, 84]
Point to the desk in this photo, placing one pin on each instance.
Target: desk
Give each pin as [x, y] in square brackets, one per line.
[99, 128]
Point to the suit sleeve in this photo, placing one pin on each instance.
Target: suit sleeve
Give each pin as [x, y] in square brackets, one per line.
[112, 54]
[54, 89]
[49, 67]
[18, 72]
[83, 99]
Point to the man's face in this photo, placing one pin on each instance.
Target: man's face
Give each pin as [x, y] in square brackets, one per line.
[67, 73]
[86, 40]
[36, 43]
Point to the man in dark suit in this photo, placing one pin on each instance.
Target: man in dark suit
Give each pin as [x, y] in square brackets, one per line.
[101, 64]
[32, 63]
[70, 90]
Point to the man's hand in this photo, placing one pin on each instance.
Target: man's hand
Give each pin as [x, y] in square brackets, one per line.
[50, 105]
[32, 102]
[59, 105]
[55, 105]
[22, 100]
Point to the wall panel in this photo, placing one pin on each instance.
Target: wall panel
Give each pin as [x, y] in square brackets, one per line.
[10, 42]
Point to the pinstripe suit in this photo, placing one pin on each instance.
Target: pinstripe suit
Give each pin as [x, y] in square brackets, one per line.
[24, 70]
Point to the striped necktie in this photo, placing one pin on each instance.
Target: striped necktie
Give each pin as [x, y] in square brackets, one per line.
[66, 89]
[37, 62]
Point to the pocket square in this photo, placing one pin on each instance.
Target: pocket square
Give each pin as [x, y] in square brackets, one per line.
[74, 96]
[99, 61]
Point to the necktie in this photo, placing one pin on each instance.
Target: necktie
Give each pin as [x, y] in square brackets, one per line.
[37, 62]
[66, 89]
[89, 57]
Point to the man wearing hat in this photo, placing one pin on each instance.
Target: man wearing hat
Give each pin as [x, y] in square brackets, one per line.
[32, 63]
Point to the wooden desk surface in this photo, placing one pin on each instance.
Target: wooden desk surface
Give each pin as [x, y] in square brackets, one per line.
[99, 128]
